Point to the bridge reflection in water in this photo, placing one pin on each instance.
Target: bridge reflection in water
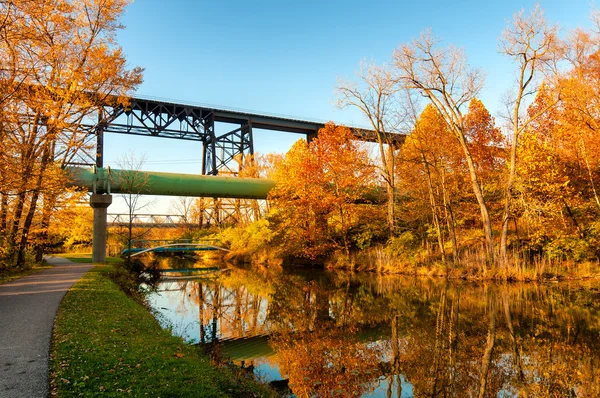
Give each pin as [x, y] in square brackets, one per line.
[366, 335]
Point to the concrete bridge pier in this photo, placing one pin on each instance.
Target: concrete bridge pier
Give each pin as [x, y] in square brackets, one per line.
[100, 205]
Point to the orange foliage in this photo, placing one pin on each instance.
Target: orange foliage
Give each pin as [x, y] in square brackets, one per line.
[60, 61]
[318, 185]
[485, 140]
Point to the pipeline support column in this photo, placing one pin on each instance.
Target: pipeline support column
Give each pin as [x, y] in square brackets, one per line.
[100, 205]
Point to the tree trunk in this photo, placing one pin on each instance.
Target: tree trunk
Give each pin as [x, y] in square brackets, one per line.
[438, 350]
[20, 261]
[589, 172]
[16, 222]
[434, 208]
[49, 202]
[485, 216]
[344, 229]
[3, 216]
[392, 190]
[508, 198]
[32, 208]
[387, 159]
[450, 222]
[395, 361]
[580, 230]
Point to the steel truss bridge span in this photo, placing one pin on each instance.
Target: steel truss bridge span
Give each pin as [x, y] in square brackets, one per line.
[109, 181]
[222, 146]
[150, 220]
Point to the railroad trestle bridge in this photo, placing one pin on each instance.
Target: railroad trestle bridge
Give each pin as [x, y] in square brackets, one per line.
[226, 136]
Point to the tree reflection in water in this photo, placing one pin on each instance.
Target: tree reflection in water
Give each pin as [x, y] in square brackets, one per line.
[364, 335]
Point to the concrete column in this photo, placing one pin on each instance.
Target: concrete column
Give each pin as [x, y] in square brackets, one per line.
[100, 205]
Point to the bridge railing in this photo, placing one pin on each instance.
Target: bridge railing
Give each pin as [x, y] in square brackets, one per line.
[145, 243]
[172, 248]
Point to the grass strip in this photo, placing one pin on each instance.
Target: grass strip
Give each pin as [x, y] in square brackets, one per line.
[105, 343]
[87, 258]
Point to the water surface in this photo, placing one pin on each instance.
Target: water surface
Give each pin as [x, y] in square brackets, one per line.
[339, 334]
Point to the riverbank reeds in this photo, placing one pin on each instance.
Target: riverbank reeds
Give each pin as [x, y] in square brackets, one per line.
[105, 343]
[469, 266]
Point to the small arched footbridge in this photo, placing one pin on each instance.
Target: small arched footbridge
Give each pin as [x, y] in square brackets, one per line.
[178, 247]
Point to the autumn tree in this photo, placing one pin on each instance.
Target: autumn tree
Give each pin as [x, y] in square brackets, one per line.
[72, 222]
[535, 48]
[427, 161]
[60, 65]
[443, 76]
[544, 191]
[435, 174]
[557, 172]
[580, 92]
[317, 189]
[486, 142]
[376, 95]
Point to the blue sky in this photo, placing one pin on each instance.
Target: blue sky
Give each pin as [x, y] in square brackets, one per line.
[284, 57]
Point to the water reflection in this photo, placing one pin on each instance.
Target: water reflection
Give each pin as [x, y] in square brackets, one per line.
[330, 334]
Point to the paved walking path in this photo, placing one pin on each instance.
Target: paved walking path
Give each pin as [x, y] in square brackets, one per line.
[28, 307]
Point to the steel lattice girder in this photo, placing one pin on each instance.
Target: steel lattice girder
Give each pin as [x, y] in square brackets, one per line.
[143, 117]
[222, 155]
[197, 123]
[150, 220]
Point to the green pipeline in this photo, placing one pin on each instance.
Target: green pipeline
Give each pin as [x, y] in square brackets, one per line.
[107, 180]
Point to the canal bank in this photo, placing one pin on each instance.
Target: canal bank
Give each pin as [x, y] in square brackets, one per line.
[107, 343]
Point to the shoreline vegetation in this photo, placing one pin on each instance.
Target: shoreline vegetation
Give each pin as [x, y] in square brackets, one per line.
[386, 259]
[317, 215]
[107, 343]
[378, 262]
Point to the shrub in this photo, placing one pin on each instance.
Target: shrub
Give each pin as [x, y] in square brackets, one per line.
[251, 238]
[402, 245]
[567, 247]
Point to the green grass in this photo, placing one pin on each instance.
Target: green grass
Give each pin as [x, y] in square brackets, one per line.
[107, 344]
[87, 258]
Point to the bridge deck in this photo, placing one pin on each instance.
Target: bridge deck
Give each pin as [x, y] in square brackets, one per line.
[171, 125]
[170, 249]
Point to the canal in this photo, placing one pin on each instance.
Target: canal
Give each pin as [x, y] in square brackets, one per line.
[319, 333]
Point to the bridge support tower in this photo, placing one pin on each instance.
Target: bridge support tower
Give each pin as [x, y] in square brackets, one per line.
[99, 203]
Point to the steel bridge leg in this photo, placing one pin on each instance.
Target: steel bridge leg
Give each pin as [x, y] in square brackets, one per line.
[221, 152]
[100, 127]
[100, 205]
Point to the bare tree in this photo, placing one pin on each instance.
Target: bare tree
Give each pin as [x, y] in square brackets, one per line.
[183, 206]
[535, 48]
[376, 95]
[131, 180]
[443, 76]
